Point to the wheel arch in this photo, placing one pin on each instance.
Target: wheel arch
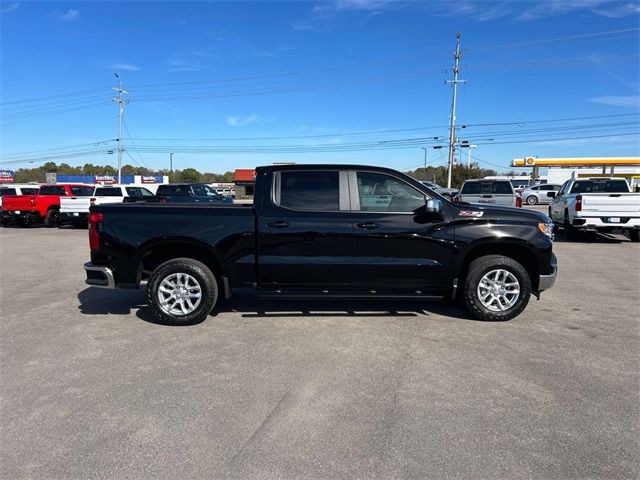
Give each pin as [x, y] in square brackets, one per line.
[517, 250]
[154, 253]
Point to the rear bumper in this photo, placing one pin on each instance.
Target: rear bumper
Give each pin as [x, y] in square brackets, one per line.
[583, 221]
[545, 282]
[99, 276]
[69, 217]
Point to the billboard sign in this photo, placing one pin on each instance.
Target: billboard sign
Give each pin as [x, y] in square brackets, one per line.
[6, 176]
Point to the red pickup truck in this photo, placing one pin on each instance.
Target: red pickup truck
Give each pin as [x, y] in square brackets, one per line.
[42, 207]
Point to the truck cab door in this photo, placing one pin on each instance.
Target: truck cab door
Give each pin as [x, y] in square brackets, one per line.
[305, 230]
[396, 242]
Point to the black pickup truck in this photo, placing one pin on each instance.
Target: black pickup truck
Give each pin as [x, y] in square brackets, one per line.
[342, 231]
[190, 193]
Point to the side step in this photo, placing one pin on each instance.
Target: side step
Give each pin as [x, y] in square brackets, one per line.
[348, 294]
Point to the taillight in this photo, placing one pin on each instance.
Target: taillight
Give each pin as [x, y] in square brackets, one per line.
[578, 203]
[518, 202]
[92, 201]
[94, 239]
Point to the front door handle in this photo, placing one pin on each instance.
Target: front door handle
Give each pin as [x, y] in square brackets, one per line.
[278, 224]
[367, 225]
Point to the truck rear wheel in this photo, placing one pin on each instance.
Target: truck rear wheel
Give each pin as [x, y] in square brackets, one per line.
[496, 288]
[182, 291]
[52, 217]
[634, 235]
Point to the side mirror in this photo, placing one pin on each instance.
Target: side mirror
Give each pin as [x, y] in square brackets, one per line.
[551, 194]
[433, 205]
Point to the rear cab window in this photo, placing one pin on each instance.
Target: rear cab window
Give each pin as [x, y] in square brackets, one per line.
[487, 187]
[52, 190]
[7, 191]
[108, 192]
[81, 191]
[600, 186]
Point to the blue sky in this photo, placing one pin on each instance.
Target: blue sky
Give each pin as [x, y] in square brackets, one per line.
[214, 82]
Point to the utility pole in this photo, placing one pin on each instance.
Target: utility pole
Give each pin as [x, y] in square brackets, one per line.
[121, 103]
[171, 162]
[425, 158]
[452, 119]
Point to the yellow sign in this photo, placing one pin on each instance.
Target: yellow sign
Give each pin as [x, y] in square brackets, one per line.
[576, 162]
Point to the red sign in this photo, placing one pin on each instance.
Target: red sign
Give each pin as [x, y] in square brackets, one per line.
[105, 179]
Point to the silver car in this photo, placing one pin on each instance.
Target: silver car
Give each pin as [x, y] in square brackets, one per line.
[489, 191]
[538, 193]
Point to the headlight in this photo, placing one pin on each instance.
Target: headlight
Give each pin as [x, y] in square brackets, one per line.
[547, 229]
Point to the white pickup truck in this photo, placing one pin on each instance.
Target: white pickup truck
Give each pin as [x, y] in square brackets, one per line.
[601, 203]
[75, 210]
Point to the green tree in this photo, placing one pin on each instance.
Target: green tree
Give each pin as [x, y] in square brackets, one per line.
[190, 175]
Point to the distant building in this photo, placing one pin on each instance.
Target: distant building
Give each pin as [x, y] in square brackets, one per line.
[244, 178]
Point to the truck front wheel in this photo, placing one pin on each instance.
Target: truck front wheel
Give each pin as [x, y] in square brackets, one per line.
[496, 288]
[182, 291]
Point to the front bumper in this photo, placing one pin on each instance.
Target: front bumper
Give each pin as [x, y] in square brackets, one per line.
[545, 282]
[99, 276]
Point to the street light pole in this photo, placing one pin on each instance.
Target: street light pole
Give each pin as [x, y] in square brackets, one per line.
[469, 155]
[425, 158]
[171, 162]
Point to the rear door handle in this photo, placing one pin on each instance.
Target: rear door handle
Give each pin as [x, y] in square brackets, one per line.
[367, 226]
[278, 224]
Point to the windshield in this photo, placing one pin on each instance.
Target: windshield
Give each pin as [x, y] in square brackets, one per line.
[600, 186]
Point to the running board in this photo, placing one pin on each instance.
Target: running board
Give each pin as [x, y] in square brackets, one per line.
[283, 293]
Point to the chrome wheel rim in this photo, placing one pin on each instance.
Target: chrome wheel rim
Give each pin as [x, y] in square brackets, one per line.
[179, 294]
[498, 290]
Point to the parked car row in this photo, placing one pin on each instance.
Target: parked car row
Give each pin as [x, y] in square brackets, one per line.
[601, 203]
[60, 204]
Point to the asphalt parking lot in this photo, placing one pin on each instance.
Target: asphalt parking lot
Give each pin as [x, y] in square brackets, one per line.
[92, 387]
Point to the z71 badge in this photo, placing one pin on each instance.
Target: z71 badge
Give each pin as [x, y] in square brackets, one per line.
[470, 213]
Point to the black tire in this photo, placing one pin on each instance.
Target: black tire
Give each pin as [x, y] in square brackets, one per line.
[478, 269]
[52, 218]
[197, 270]
[569, 230]
[532, 200]
[634, 235]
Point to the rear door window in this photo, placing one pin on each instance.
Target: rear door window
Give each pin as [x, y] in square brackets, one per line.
[7, 191]
[300, 190]
[29, 190]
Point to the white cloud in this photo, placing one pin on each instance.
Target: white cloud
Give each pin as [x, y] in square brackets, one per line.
[632, 101]
[70, 15]
[125, 66]
[12, 7]
[605, 8]
[244, 120]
